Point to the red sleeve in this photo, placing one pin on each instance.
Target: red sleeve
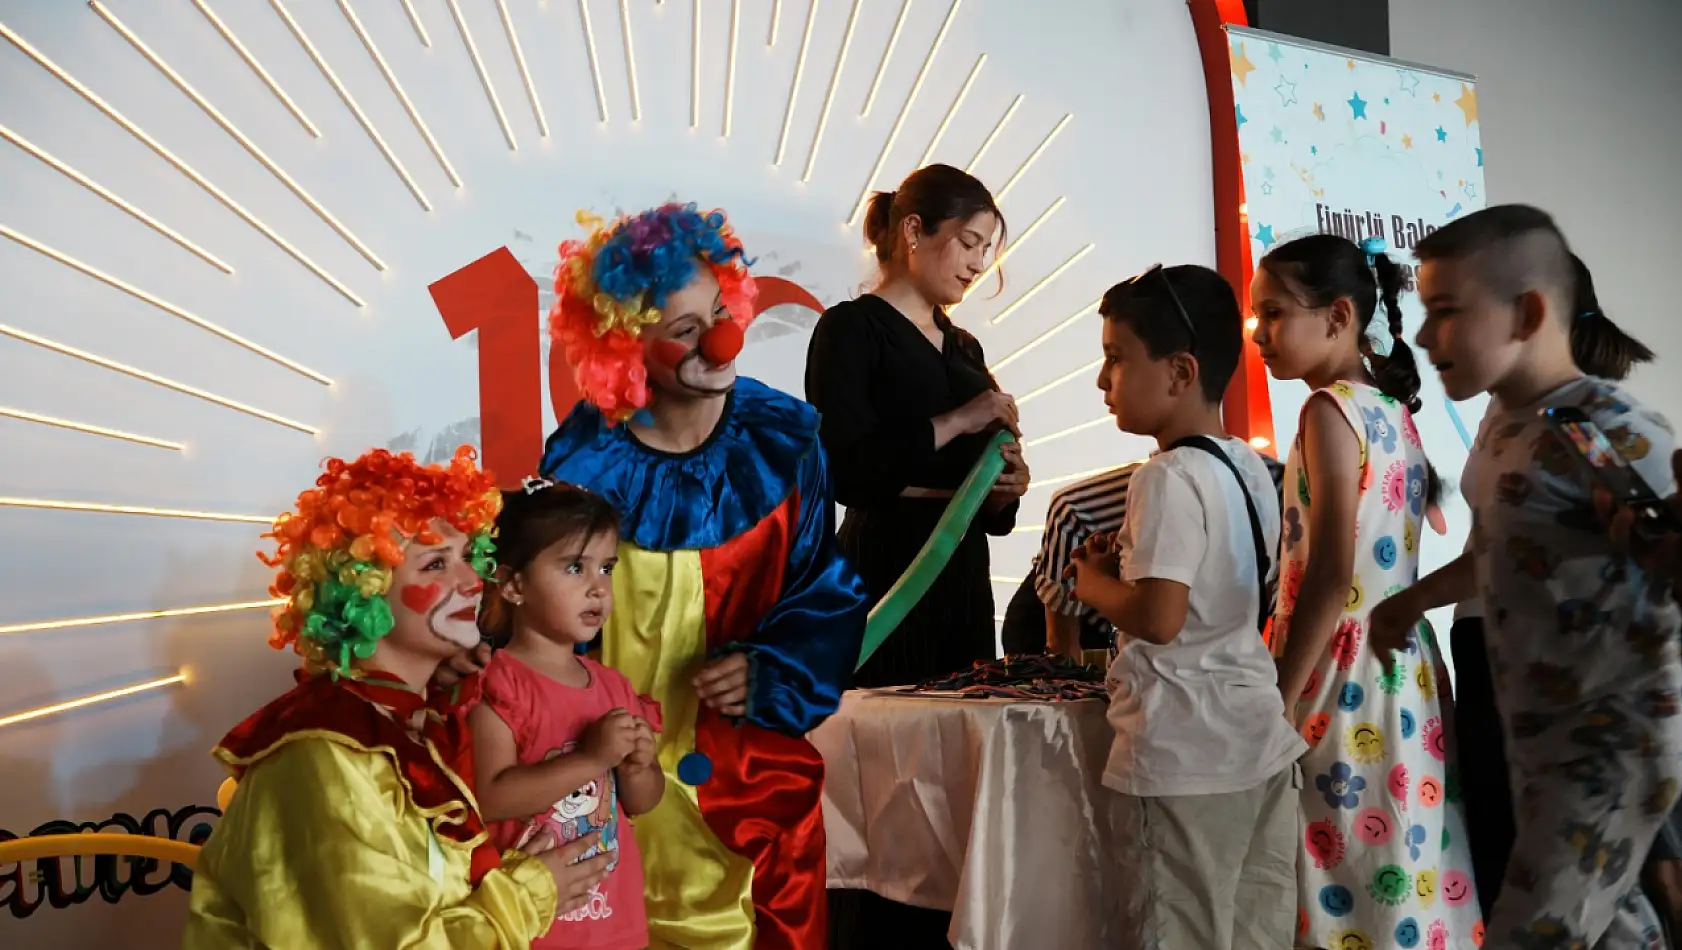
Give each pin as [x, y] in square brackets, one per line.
[508, 694]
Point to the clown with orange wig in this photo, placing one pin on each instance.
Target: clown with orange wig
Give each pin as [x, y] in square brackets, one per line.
[736, 612]
[353, 825]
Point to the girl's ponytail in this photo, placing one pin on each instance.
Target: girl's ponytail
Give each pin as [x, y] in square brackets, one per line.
[1397, 374]
[1600, 347]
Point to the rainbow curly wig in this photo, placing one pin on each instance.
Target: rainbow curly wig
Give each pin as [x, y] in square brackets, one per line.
[614, 282]
[337, 551]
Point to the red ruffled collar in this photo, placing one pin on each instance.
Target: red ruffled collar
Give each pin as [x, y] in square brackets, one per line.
[370, 715]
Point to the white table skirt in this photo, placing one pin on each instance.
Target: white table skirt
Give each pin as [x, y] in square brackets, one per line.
[991, 809]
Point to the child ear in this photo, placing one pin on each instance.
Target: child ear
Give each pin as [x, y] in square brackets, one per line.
[1531, 311]
[1342, 316]
[1183, 370]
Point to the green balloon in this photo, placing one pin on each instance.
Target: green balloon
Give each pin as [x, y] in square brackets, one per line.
[937, 551]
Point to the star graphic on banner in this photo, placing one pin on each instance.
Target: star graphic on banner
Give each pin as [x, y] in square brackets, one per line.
[1243, 158]
[1264, 234]
[1480, 158]
[1357, 106]
[1409, 82]
[1267, 172]
[1241, 65]
[1287, 91]
[1267, 188]
[1407, 141]
[1468, 103]
[1471, 191]
[1241, 119]
[1274, 52]
[1442, 134]
[1319, 113]
[1383, 127]
[1314, 150]
[1277, 134]
[1351, 64]
[1436, 97]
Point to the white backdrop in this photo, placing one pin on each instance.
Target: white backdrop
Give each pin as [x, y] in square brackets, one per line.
[1131, 167]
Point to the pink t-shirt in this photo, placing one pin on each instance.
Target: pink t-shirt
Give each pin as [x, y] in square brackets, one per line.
[547, 720]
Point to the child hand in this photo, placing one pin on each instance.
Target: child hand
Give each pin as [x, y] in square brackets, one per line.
[642, 754]
[611, 738]
[723, 685]
[1092, 559]
[1389, 624]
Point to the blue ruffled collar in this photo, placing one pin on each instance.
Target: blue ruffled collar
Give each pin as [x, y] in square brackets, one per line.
[745, 469]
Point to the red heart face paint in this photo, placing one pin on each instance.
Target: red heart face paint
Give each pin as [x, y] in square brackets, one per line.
[420, 598]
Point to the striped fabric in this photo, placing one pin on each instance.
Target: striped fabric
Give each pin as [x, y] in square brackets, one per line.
[1094, 505]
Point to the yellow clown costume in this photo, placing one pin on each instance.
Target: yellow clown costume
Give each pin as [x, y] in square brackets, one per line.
[353, 825]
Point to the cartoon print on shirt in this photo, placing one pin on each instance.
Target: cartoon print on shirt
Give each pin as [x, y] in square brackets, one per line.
[592, 807]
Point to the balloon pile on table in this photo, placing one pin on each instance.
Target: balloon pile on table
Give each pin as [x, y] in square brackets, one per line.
[1031, 677]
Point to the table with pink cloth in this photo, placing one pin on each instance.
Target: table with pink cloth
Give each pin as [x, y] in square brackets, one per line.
[992, 809]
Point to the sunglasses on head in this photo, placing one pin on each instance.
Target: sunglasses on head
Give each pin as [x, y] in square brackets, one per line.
[1180, 308]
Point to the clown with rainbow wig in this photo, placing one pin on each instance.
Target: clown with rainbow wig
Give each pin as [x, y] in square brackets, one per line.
[353, 824]
[736, 612]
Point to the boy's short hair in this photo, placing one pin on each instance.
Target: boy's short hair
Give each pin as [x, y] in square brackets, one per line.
[1156, 306]
[1515, 249]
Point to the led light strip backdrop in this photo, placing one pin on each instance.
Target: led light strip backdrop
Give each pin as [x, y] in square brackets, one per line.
[1344, 142]
[237, 236]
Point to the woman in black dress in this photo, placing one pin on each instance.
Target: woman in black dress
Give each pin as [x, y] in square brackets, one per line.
[908, 406]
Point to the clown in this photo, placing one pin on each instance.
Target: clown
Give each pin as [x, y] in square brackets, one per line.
[352, 824]
[736, 612]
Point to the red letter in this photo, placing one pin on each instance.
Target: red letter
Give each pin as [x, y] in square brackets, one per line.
[496, 296]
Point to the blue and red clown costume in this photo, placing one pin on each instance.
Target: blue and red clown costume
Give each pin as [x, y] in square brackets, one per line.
[729, 548]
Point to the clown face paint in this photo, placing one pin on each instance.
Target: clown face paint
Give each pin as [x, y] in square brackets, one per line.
[692, 350]
[434, 596]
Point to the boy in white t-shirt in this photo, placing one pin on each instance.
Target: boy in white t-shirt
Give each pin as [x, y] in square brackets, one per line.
[1203, 756]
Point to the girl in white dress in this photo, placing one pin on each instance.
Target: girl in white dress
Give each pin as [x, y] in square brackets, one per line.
[1385, 861]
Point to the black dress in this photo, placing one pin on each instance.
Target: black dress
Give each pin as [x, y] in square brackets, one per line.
[879, 383]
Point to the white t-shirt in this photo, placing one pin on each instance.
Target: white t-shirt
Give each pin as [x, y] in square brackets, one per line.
[1201, 714]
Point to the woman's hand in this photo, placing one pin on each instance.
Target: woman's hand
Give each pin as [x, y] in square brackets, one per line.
[574, 879]
[462, 665]
[722, 685]
[1014, 481]
[610, 739]
[985, 411]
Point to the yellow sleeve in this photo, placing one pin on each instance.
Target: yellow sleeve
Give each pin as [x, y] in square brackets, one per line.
[321, 848]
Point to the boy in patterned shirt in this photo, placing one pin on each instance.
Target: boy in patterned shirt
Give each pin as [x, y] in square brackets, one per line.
[1582, 641]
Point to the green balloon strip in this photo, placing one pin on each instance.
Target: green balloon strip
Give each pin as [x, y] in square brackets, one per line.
[932, 559]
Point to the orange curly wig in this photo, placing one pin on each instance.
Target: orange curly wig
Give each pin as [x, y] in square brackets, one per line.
[336, 552]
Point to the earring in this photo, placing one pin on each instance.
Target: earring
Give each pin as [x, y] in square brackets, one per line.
[516, 601]
[913, 247]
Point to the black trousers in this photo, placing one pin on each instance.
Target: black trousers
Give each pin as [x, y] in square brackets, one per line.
[1485, 785]
[863, 920]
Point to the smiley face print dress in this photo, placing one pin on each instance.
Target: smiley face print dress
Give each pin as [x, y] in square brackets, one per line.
[1385, 862]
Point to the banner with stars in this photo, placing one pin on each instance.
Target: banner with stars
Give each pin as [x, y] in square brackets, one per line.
[1344, 142]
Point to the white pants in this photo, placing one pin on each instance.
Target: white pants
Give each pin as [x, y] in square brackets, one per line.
[1217, 872]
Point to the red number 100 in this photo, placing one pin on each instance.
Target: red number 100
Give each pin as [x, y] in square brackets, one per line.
[495, 296]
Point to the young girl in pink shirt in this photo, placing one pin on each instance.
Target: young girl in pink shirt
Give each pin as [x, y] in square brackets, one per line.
[563, 744]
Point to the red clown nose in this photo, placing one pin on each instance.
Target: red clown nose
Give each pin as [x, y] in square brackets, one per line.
[722, 343]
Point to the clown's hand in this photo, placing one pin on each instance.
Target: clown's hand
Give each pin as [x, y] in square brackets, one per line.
[722, 684]
[462, 665]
